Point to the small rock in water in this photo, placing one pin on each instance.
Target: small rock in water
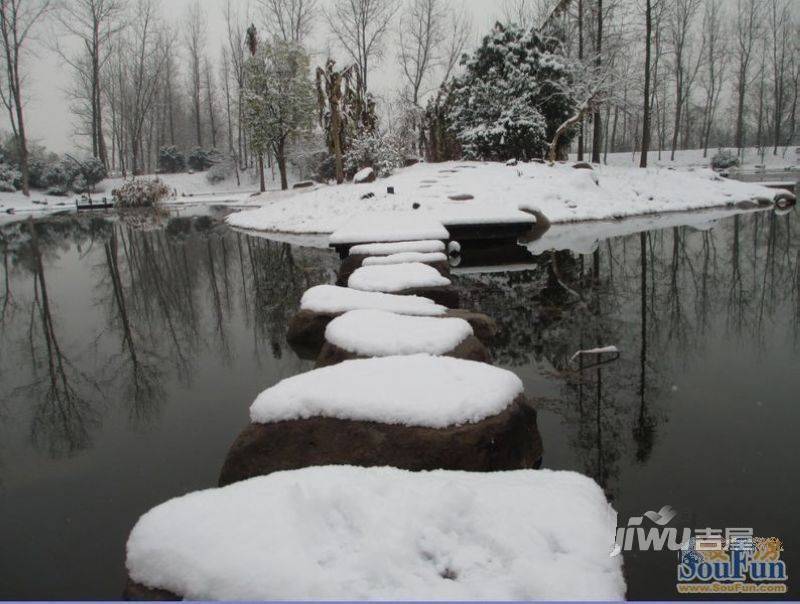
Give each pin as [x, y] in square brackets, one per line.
[415, 206]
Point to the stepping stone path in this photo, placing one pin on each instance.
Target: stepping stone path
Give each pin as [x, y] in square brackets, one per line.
[322, 489]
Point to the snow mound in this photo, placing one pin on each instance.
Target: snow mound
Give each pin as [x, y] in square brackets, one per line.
[332, 299]
[384, 249]
[376, 333]
[405, 257]
[363, 175]
[396, 277]
[345, 533]
[416, 390]
[380, 227]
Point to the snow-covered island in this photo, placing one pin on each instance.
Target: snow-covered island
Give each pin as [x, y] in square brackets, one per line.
[500, 193]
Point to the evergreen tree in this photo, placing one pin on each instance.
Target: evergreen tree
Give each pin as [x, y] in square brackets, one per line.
[279, 99]
[513, 95]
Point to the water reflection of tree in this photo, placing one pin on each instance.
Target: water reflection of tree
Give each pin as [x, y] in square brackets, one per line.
[658, 296]
[64, 412]
[168, 297]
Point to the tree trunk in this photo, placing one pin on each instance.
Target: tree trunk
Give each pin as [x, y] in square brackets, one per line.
[261, 173]
[597, 136]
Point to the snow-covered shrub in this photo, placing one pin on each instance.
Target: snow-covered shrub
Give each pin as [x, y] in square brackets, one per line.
[170, 160]
[60, 174]
[723, 160]
[36, 169]
[222, 168]
[6, 187]
[57, 191]
[140, 193]
[381, 152]
[199, 159]
[11, 176]
[513, 95]
[92, 172]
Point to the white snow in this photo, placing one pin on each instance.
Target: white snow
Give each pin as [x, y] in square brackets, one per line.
[376, 333]
[599, 350]
[405, 257]
[396, 277]
[398, 247]
[332, 299]
[785, 159]
[345, 533]
[416, 390]
[560, 192]
[380, 227]
[362, 175]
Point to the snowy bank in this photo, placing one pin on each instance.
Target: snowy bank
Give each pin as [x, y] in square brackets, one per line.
[344, 533]
[417, 390]
[498, 193]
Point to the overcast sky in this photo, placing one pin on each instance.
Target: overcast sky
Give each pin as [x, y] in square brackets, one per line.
[47, 108]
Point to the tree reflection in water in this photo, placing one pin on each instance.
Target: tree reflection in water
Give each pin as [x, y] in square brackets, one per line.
[664, 298]
[160, 298]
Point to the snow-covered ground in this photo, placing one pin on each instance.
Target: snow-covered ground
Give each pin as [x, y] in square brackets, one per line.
[344, 533]
[787, 158]
[499, 192]
[415, 390]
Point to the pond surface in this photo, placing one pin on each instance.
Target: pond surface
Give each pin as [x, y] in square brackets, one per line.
[130, 353]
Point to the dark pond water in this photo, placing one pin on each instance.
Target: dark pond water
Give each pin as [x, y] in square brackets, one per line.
[130, 353]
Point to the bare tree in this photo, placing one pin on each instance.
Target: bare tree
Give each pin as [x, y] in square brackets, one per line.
[779, 21]
[195, 40]
[747, 29]
[360, 26]
[457, 33]
[421, 31]
[210, 100]
[289, 20]
[136, 72]
[17, 21]
[646, 105]
[235, 25]
[713, 76]
[682, 16]
[94, 23]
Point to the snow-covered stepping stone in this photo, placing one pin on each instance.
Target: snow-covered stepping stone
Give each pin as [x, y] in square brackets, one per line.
[413, 278]
[387, 227]
[376, 333]
[385, 249]
[344, 533]
[353, 262]
[320, 304]
[418, 412]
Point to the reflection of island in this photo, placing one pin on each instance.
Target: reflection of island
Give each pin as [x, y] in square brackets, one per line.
[654, 295]
[161, 297]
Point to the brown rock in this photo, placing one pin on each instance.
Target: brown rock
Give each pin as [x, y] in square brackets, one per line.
[471, 349]
[483, 326]
[304, 184]
[582, 165]
[446, 295]
[461, 197]
[307, 328]
[509, 440]
[136, 592]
